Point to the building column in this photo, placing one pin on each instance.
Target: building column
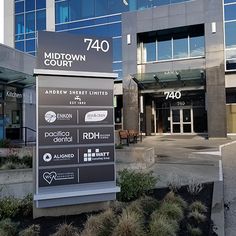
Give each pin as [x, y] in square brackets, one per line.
[50, 15]
[148, 114]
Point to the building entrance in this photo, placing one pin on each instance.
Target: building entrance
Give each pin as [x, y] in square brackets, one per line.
[181, 119]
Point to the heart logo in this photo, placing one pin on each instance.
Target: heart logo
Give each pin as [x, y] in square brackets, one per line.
[48, 177]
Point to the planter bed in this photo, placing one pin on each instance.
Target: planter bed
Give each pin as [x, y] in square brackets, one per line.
[48, 224]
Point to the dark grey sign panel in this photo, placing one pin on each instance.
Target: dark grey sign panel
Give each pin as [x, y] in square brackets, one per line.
[58, 176]
[57, 116]
[95, 135]
[97, 154]
[91, 174]
[58, 156]
[77, 53]
[57, 136]
[75, 97]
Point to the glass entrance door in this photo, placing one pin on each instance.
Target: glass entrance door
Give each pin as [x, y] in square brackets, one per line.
[181, 120]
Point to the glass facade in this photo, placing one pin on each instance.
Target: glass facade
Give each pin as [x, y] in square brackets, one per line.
[186, 42]
[230, 34]
[30, 17]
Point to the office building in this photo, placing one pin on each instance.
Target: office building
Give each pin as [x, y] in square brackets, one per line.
[176, 59]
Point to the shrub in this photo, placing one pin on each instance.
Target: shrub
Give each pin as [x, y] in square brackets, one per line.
[33, 230]
[174, 182]
[119, 146]
[198, 206]
[197, 216]
[117, 207]
[8, 228]
[161, 226]
[129, 223]
[194, 187]
[26, 206]
[172, 197]
[5, 143]
[101, 224]
[27, 161]
[194, 231]
[134, 184]
[9, 207]
[66, 230]
[171, 211]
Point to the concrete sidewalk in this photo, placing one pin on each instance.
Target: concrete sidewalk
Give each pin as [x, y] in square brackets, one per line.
[229, 170]
[185, 158]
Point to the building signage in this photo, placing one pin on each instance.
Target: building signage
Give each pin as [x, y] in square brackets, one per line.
[80, 54]
[75, 121]
[75, 97]
[74, 116]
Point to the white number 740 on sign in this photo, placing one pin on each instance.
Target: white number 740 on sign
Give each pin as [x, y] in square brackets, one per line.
[173, 95]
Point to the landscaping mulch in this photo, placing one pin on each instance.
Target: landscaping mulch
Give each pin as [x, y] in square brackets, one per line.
[48, 225]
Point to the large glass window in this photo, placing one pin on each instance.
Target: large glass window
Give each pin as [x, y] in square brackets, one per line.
[230, 12]
[118, 6]
[19, 7]
[20, 45]
[41, 20]
[180, 46]
[230, 34]
[149, 50]
[19, 24]
[29, 5]
[30, 22]
[197, 46]
[164, 46]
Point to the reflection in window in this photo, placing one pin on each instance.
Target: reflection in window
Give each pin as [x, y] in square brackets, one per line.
[230, 34]
[180, 47]
[164, 49]
[231, 54]
[231, 64]
[30, 22]
[62, 12]
[19, 24]
[197, 46]
[149, 50]
[118, 6]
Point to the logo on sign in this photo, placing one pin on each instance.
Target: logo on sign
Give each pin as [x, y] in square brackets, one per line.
[47, 157]
[50, 116]
[59, 136]
[95, 116]
[95, 136]
[96, 155]
[53, 176]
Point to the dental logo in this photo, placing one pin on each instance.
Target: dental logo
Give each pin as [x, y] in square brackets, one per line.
[97, 155]
[50, 116]
[50, 176]
[47, 157]
[95, 116]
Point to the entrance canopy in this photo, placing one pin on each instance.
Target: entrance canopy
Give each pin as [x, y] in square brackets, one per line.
[16, 68]
[170, 79]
